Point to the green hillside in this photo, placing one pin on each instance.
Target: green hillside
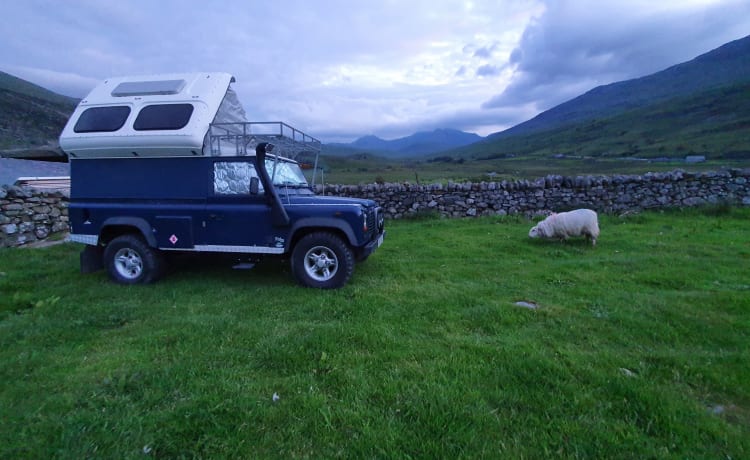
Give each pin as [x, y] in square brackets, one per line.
[30, 116]
[727, 65]
[712, 123]
[17, 85]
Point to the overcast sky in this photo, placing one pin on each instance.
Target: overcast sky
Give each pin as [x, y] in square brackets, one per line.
[342, 69]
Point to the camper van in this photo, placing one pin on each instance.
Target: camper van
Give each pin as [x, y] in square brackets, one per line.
[168, 164]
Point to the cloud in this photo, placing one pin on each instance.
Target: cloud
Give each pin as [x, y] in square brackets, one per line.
[348, 69]
[488, 70]
[483, 52]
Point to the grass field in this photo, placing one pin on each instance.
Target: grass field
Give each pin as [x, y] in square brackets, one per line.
[369, 169]
[638, 349]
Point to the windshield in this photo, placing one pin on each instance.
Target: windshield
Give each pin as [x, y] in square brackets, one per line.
[284, 173]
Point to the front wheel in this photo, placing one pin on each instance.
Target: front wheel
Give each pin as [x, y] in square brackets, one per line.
[129, 260]
[322, 260]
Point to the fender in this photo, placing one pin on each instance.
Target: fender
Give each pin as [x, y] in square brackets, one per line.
[322, 222]
[137, 222]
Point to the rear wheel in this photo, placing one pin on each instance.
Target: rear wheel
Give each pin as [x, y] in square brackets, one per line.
[129, 260]
[322, 260]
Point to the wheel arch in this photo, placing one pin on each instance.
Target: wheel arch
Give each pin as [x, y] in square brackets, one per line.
[116, 226]
[304, 227]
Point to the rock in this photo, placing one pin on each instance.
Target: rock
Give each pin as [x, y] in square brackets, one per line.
[693, 201]
[627, 372]
[717, 409]
[41, 232]
[9, 229]
[524, 304]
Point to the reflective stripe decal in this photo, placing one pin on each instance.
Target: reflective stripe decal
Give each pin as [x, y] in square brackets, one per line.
[94, 240]
[85, 239]
[240, 249]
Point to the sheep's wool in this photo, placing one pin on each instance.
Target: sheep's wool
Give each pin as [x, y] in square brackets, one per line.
[580, 222]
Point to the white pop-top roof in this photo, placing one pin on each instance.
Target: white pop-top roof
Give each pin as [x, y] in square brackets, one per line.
[205, 92]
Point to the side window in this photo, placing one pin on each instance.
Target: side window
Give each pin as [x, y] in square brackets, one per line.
[233, 177]
[102, 119]
[163, 117]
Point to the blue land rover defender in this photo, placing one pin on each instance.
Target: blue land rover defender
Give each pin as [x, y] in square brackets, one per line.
[168, 163]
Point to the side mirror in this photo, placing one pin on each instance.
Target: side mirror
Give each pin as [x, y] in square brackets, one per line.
[254, 184]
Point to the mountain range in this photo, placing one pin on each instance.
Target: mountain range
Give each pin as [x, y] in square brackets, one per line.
[418, 144]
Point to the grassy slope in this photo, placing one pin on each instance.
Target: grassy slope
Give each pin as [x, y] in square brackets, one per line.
[30, 115]
[369, 169]
[639, 350]
[712, 123]
[20, 86]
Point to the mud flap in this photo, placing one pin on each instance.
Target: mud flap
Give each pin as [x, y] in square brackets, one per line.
[91, 259]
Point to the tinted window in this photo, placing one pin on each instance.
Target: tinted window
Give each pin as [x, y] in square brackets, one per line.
[102, 119]
[163, 117]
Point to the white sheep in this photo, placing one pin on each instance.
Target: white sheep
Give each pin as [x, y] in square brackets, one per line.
[580, 222]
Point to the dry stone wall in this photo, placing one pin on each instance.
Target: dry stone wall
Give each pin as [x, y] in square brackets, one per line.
[28, 216]
[607, 194]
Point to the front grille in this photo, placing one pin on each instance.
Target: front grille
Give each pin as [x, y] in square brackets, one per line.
[371, 221]
[374, 221]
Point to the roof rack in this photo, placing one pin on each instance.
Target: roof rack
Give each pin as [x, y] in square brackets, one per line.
[238, 139]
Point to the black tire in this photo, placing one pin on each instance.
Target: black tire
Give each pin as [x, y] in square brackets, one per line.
[322, 260]
[129, 260]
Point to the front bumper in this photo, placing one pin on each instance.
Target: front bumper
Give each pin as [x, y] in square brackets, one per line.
[376, 242]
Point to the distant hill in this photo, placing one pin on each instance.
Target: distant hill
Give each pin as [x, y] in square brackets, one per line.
[31, 117]
[20, 86]
[700, 107]
[725, 66]
[418, 144]
[713, 123]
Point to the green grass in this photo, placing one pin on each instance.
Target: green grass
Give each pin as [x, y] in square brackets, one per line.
[639, 350]
[371, 169]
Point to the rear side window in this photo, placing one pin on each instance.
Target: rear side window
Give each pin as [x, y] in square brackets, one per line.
[233, 177]
[102, 119]
[163, 117]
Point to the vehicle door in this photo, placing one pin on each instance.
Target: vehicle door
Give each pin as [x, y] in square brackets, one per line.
[237, 218]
